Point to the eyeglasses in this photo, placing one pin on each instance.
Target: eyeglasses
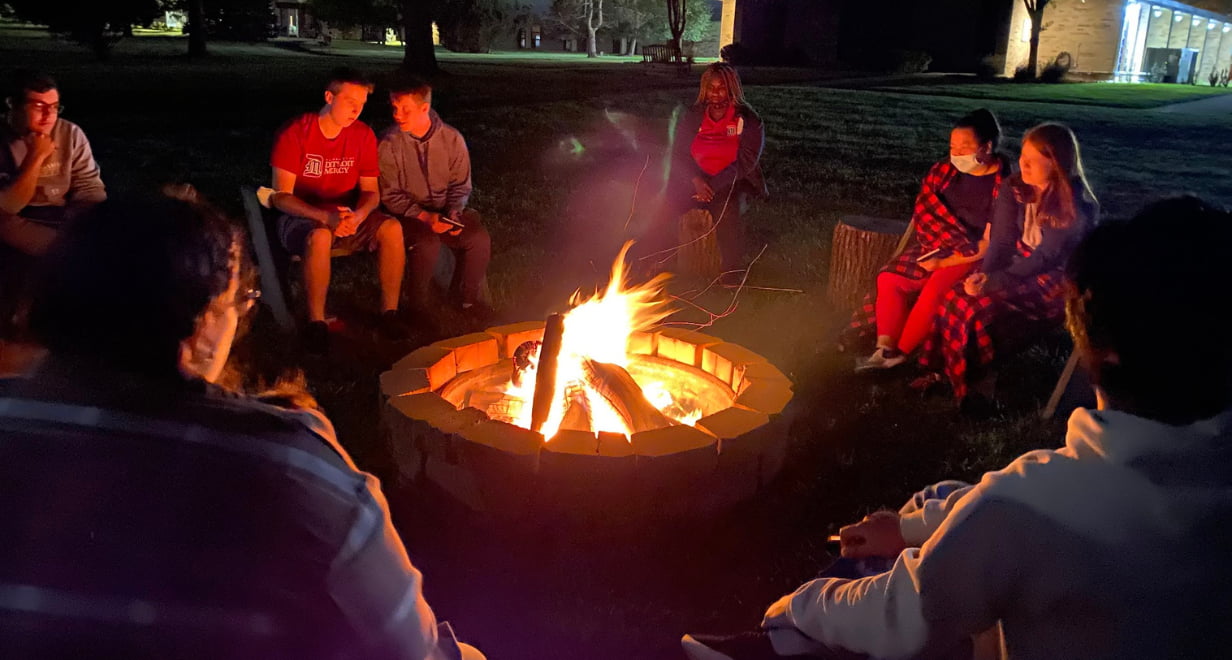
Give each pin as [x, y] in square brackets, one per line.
[46, 108]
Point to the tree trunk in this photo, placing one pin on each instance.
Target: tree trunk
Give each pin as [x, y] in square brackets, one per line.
[419, 56]
[1033, 53]
[196, 35]
[699, 249]
[632, 46]
[592, 49]
[594, 21]
[861, 246]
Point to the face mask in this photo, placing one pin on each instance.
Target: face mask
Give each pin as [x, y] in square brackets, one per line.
[965, 164]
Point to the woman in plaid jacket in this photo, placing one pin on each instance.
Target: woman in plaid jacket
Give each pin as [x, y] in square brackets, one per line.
[950, 220]
[1041, 214]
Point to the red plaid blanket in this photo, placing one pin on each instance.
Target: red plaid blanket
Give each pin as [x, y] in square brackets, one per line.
[936, 227]
[969, 329]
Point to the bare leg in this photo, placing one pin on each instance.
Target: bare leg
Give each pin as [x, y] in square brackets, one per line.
[391, 262]
[316, 271]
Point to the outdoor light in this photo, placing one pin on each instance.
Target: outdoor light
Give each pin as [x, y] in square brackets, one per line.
[1196, 21]
[1211, 25]
[1227, 28]
[1158, 13]
[1179, 18]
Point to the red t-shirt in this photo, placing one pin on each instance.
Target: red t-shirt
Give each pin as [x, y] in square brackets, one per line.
[326, 171]
[717, 143]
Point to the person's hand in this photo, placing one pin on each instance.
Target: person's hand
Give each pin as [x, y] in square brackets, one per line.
[974, 284]
[702, 191]
[39, 147]
[878, 535]
[348, 222]
[930, 264]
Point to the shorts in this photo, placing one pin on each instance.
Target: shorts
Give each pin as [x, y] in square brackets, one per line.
[293, 234]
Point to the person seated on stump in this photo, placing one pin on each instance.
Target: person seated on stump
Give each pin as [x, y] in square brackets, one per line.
[716, 167]
[1112, 546]
[47, 170]
[426, 184]
[950, 226]
[325, 178]
[1040, 215]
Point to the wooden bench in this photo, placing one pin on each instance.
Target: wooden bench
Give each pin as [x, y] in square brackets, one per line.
[666, 55]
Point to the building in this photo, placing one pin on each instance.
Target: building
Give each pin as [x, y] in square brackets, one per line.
[1138, 40]
[783, 31]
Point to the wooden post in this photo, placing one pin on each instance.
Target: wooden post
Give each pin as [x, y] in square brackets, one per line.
[862, 245]
[545, 378]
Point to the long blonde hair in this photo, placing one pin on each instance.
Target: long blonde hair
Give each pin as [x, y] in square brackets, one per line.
[1056, 207]
[730, 78]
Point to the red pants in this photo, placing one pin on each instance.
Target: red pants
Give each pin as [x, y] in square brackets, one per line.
[905, 323]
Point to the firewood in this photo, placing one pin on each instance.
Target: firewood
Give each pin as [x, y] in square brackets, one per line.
[862, 245]
[615, 385]
[577, 412]
[545, 377]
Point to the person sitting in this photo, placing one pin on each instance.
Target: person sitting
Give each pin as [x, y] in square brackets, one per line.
[150, 513]
[47, 170]
[716, 166]
[1040, 214]
[1113, 546]
[426, 183]
[325, 175]
[950, 236]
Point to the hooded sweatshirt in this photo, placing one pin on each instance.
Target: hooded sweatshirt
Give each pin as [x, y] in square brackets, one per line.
[429, 173]
[1113, 546]
[69, 180]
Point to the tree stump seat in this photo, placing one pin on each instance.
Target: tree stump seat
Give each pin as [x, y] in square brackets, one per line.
[861, 246]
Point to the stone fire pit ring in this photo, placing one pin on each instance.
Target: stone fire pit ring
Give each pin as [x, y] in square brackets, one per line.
[495, 467]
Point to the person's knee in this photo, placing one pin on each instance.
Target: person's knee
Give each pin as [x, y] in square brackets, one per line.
[389, 232]
[319, 241]
[469, 652]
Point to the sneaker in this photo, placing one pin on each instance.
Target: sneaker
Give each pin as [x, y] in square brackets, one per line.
[316, 338]
[390, 327]
[744, 646]
[882, 358]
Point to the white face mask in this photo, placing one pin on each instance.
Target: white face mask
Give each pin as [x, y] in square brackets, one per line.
[965, 164]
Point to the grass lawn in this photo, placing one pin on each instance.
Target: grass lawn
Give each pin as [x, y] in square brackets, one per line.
[1115, 95]
[557, 151]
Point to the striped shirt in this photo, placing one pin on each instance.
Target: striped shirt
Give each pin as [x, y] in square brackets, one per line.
[171, 519]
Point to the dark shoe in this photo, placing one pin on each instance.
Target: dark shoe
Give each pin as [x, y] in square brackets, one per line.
[316, 338]
[390, 327]
[744, 646]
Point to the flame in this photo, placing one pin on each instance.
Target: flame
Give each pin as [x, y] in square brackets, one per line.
[598, 328]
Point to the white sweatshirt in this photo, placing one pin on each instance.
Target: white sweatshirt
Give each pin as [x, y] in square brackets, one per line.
[1118, 545]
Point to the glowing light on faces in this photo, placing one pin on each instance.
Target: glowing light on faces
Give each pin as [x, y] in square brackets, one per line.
[1036, 168]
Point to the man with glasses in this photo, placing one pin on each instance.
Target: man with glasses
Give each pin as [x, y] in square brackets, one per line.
[47, 172]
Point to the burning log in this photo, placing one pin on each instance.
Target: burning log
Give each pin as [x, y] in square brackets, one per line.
[577, 412]
[545, 378]
[615, 385]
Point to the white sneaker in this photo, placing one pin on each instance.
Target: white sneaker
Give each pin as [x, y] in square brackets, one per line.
[879, 360]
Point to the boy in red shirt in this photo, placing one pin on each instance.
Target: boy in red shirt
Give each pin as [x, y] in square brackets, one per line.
[325, 181]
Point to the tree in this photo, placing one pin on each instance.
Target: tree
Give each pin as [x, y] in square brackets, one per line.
[1035, 10]
[577, 16]
[97, 25]
[196, 37]
[415, 16]
[677, 18]
[472, 26]
[646, 20]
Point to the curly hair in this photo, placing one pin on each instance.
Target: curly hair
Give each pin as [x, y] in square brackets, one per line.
[730, 78]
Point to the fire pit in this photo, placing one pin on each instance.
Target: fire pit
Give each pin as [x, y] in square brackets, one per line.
[615, 414]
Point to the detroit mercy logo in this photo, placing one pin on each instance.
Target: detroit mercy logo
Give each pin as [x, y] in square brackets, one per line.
[314, 166]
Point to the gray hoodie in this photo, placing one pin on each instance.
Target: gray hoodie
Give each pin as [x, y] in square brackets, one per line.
[1113, 546]
[429, 173]
[69, 179]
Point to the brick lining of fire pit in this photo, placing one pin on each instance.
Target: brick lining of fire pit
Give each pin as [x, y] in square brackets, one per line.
[494, 466]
